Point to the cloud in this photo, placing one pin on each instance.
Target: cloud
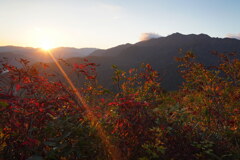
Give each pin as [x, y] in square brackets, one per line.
[147, 36]
[236, 36]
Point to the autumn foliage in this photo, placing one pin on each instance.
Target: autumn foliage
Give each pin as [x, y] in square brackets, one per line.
[42, 118]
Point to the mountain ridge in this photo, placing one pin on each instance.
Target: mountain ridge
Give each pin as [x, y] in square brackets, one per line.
[160, 53]
[37, 54]
[153, 41]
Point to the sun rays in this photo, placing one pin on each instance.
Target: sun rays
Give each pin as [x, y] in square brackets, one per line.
[112, 150]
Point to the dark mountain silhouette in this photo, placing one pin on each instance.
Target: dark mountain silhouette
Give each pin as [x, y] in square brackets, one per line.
[161, 53]
[112, 51]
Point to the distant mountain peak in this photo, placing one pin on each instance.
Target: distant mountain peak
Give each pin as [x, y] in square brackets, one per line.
[177, 34]
[204, 35]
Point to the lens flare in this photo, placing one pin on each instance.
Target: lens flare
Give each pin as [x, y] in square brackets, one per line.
[112, 150]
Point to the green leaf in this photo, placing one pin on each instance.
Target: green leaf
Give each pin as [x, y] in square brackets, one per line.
[114, 67]
[4, 104]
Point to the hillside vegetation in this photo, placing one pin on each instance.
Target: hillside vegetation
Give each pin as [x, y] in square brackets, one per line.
[44, 118]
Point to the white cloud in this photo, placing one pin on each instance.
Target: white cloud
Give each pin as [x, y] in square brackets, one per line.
[147, 36]
[236, 36]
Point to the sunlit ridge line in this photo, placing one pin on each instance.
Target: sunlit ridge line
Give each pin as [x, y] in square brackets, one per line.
[113, 150]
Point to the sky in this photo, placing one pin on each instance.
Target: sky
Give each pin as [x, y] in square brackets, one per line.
[108, 23]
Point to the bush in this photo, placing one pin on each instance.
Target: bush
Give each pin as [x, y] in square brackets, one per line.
[45, 118]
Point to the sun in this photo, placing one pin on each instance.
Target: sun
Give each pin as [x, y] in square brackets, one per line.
[46, 45]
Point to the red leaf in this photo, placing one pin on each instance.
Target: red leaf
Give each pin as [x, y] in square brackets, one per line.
[18, 87]
[75, 66]
[102, 100]
[41, 109]
[91, 77]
